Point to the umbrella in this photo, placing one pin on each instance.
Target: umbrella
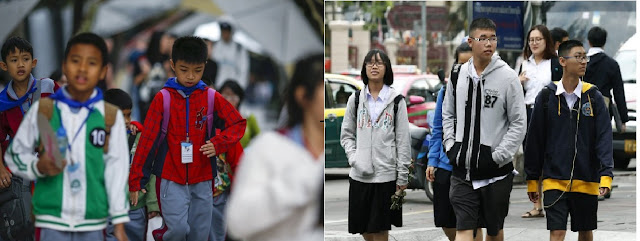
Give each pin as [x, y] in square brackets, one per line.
[211, 31]
[13, 12]
[278, 25]
[119, 15]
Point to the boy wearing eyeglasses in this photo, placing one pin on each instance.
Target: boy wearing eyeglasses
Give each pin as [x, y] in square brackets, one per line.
[569, 146]
[484, 125]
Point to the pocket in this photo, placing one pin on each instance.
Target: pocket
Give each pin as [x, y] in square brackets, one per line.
[362, 162]
[453, 153]
[485, 159]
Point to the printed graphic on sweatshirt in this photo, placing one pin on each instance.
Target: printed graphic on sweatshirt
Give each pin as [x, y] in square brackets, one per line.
[200, 119]
[490, 97]
[362, 118]
[386, 121]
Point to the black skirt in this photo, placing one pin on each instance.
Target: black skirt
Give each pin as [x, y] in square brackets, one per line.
[370, 207]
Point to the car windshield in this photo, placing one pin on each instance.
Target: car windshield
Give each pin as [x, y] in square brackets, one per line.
[627, 62]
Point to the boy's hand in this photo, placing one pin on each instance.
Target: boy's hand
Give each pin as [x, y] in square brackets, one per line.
[431, 173]
[153, 214]
[118, 231]
[5, 177]
[47, 166]
[533, 196]
[133, 129]
[133, 197]
[208, 149]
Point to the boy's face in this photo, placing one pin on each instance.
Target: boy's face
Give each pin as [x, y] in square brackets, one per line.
[483, 49]
[83, 67]
[126, 113]
[187, 74]
[573, 62]
[19, 65]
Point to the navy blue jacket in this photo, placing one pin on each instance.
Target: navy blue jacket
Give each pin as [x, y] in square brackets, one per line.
[604, 72]
[552, 143]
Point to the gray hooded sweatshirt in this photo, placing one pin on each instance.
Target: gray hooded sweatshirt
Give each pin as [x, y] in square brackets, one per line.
[490, 121]
[378, 151]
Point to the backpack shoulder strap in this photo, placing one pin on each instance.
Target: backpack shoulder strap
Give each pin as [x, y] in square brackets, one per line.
[395, 103]
[166, 112]
[45, 107]
[453, 77]
[110, 112]
[211, 97]
[355, 115]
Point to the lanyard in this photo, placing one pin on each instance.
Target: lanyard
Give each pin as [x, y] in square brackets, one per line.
[187, 117]
[79, 129]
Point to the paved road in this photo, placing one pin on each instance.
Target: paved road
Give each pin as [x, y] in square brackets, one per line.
[616, 216]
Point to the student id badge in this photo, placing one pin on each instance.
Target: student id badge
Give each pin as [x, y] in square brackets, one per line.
[75, 176]
[187, 152]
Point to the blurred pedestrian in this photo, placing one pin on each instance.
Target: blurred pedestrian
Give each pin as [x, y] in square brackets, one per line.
[540, 68]
[558, 35]
[570, 122]
[155, 69]
[438, 168]
[604, 72]
[232, 58]
[375, 137]
[484, 125]
[233, 93]
[211, 67]
[277, 191]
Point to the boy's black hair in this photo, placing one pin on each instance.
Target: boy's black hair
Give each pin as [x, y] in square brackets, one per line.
[482, 23]
[189, 49]
[56, 75]
[597, 36]
[388, 73]
[308, 74]
[463, 47]
[12, 43]
[557, 34]
[92, 39]
[235, 88]
[566, 47]
[118, 98]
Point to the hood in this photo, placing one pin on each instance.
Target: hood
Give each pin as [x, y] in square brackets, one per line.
[585, 86]
[496, 63]
[594, 59]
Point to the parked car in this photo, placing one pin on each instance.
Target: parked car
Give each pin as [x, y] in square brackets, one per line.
[338, 88]
[422, 92]
[624, 144]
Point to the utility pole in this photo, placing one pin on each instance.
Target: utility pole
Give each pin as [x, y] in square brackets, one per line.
[423, 56]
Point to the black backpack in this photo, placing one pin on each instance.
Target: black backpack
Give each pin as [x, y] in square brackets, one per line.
[453, 77]
[15, 221]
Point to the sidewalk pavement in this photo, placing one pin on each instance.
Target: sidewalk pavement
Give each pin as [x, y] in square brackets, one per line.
[510, 234]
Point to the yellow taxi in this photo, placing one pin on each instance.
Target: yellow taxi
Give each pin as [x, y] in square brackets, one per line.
[338, 89]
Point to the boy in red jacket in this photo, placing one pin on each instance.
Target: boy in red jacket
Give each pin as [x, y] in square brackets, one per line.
[184, 164]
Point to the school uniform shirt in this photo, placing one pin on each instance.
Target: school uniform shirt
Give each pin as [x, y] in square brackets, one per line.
[275, 194]
[552, 151]
[103, 176]
[171, 167]
[10, 119]
[539, 76]
[376, 105]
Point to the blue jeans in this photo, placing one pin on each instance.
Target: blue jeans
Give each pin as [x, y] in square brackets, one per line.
[218, 226]
[186, 210]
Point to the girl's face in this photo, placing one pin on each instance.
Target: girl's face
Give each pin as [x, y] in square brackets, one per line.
[230, 96]
[375, 68]
[536, 42]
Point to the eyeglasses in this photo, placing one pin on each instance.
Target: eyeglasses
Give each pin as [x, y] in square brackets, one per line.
[581, 59]
[488, 40]
[536, 40]
[377, 63]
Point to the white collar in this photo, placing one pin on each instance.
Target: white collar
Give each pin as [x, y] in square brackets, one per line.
[577, 90]
[382, 95]
[594, 50]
